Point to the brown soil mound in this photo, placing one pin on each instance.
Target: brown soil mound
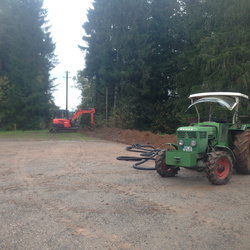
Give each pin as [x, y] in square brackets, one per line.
[129, 137]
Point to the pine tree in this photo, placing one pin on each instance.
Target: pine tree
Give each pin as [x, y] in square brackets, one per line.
[216, 57]
[26, 56]
[108, 33]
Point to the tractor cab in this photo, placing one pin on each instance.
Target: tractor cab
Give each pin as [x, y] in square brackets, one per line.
[228, 100]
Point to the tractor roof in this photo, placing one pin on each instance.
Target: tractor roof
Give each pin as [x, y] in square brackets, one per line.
[216, 94]
[226, 99]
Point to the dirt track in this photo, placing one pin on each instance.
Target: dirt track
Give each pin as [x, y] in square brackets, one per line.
[76, 195]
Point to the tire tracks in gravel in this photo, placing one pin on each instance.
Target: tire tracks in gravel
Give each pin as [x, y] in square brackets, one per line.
[19, 179]
[22, 180]
[86, 229]
[90, 230]
[31, 193]
[38, 187]
[144, 204]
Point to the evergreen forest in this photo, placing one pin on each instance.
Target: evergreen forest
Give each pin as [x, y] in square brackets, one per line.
[145, 57]
[142, 58]
[26, 58]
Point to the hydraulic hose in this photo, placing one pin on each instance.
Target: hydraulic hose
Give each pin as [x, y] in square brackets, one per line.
[148, 152]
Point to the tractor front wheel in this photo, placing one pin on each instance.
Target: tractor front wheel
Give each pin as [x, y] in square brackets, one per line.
[219, 167]
[162, 169]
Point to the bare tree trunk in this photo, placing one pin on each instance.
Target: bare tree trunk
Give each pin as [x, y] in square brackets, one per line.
[107, 104]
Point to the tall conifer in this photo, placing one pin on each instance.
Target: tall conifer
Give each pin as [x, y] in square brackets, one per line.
[26, 56]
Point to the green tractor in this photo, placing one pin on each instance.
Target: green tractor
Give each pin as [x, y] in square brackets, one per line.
[213, 145]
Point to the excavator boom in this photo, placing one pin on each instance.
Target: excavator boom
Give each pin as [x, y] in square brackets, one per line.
[84, 111]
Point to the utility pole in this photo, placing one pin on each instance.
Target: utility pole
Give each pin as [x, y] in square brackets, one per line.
[67, 86]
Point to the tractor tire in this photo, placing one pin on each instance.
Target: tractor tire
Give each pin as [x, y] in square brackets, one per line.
[242, 152]
[219, 167]
[161, 168]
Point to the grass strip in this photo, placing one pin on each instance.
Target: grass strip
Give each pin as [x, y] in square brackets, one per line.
[42, 135]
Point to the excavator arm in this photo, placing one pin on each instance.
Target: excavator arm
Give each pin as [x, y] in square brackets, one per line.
[84, 111]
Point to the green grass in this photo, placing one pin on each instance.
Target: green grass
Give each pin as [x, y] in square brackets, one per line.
[41, 135]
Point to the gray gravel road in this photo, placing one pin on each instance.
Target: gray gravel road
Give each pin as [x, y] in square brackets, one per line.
[76, 195]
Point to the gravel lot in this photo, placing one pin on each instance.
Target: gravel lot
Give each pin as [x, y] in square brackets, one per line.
[76, 195]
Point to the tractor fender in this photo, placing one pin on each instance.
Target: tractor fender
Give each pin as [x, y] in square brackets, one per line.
[226, 149]
[239, 127]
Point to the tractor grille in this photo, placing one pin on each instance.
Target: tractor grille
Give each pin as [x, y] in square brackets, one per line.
[181, 134]
[192, 135]
[184, 134]
[203, 135]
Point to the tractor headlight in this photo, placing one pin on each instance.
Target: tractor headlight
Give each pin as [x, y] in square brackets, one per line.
[193, 143]
[181, 143]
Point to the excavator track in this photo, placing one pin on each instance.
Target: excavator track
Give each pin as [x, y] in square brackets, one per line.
[63, 130]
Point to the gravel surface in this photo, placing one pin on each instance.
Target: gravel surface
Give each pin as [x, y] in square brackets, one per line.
[76, 195]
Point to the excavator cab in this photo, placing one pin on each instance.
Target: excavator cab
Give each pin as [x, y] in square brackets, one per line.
[62, 113]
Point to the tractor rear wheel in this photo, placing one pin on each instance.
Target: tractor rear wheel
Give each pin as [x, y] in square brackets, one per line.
[242, 152]
[219, 167]
[162, 169]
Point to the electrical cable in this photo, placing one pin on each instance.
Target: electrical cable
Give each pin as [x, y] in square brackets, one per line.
[148, 152]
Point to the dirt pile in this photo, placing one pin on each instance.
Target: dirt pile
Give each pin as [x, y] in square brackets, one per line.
[129, 137]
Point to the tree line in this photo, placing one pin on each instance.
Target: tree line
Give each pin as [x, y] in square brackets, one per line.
[145, 57]
[26, 58]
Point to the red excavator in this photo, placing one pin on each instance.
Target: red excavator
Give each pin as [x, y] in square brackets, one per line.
[62, 123]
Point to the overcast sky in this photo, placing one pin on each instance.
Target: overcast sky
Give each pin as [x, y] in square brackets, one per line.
[66, 19]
